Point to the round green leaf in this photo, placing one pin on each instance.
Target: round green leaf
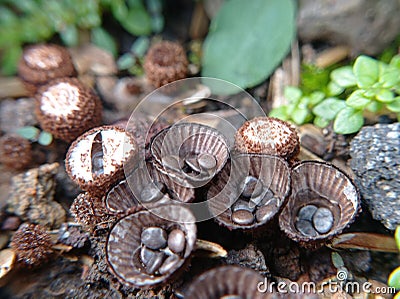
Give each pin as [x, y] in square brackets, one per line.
[357, 100]
[397, 237]
[69, 35]
[279, 112]
[140, 46]
[385, 96]
[137, 22]
[301, 115]
[316, 97]
[126, 61]
[247, 40]
[343, 77]
[30, 133]
[374, 106]
[348, 121]
[366, 70]
[45, 138]
[394, 279]
[321, 122]
[329, 107]
[395, 105]
[104, 40]
[292, 94]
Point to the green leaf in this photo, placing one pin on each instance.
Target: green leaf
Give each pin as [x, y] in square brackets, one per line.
[280, 113]
[45, 138]
[390, 77]
[334, 89]
[394, 278]
[157, 23]
[137, 22]
[395, 62]
[69, 36]
[394, 106]
[316, 97]
[357, 100]
[104, 40]
[292, 94]
[247, 40]
[126, 61]
[337, 260]
[385, 96]
[10, 59]
[344, 76]
[301, 115]
[30, 133]
[366, 70]
[374, 106]
[140, 46]
[321, 122]
[329, 108]
[348, 121]
[397, 237]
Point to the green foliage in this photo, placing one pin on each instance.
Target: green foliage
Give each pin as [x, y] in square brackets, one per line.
[35, 135]
[33, 21]
[247, 40]
[368, 85]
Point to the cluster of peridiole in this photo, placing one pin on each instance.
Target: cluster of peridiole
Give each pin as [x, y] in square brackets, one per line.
[245, 187]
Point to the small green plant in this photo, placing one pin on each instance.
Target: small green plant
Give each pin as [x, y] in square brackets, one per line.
[35, 135]
[32, 21]
[368, 85]
[394, 278]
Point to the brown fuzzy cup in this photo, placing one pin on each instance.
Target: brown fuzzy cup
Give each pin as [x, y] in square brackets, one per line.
[43, 62]
[230, 282]
[268, 135]
[15, 152]
[165, 62]
[95, 160]
[66, 108]
[32, 244]
[89, 210]
[128, 251]
[322, 203]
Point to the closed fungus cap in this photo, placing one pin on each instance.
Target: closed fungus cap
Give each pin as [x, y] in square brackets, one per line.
[95, 160]
[66, 108]
[89, 210]
[15, 151]
[165, 62]
[228, 282]
[32, 244]
[43, 62]
[268, 135]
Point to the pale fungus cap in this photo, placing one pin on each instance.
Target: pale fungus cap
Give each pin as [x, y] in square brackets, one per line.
[44, 62]
[268, 135]
[66, 108]
[96, 159]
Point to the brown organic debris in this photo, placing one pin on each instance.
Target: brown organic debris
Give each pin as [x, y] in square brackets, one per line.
[32, 244]
[15, 151]
[31, 196]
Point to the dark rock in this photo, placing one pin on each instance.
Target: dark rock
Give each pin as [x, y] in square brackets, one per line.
[366, 26]
[250, 257]
[74, 236]
[375, 153]
[15, 114]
